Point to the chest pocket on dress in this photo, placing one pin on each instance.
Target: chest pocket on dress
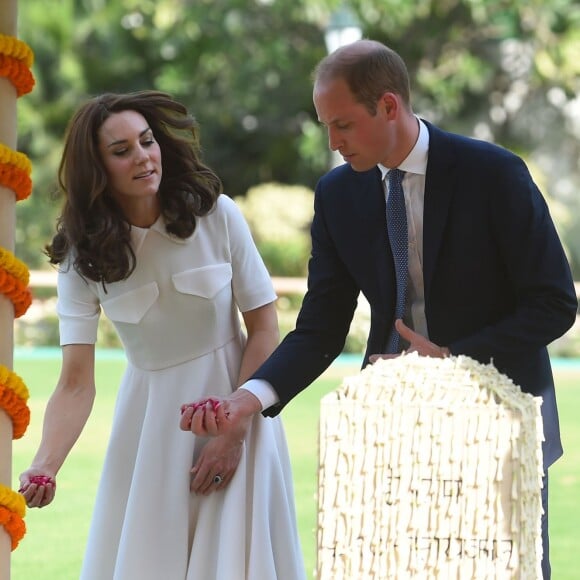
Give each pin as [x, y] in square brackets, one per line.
[131, 306]
[205, 282]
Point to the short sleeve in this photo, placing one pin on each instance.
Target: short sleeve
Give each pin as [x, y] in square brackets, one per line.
[251, 282]
[78, 309]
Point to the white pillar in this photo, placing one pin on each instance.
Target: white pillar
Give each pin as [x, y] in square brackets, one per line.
[8, 26]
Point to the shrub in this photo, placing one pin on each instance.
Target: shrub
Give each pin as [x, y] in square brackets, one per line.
[279, 217]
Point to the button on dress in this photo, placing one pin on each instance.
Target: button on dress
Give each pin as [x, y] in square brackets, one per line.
[177, 316]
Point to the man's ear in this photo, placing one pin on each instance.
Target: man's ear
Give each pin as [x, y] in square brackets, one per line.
[390, 103]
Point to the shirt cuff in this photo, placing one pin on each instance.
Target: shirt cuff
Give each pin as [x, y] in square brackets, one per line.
[263, 391]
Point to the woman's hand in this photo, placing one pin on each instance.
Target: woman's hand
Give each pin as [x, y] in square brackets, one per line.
[217, 462]
[38, 487]
[66, 414]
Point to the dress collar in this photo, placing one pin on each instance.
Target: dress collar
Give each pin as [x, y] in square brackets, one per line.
[138, 234]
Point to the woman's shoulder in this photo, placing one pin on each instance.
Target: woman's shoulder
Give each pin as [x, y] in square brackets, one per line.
[226, 203]
[226, 208]
[225, 216]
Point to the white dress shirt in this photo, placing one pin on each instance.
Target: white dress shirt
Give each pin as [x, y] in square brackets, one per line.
[415, 168]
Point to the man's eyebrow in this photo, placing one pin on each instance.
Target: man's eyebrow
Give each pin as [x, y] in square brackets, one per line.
[334, 121]
[119, 141]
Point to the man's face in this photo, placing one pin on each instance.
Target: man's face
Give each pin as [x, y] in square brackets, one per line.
[362, 139]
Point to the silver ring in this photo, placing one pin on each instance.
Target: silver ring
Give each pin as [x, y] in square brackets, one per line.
[218, 479]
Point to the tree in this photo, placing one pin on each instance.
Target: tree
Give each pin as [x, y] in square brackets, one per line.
[500, 70]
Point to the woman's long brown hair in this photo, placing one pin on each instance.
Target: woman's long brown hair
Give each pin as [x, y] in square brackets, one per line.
[92, 231]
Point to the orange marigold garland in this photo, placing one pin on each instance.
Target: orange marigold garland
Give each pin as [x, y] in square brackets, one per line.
[16, 59]
[17, 73]
[15, 291]
[12, 46]
[20, 296]
[15, 158]
[17, 180]
[13, 399]
[15, 170]
[14, 266]
[12, 510]
[14, 275]
[13, 524]
[12, 500]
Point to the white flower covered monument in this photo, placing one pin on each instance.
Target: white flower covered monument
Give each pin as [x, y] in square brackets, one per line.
[429, 468]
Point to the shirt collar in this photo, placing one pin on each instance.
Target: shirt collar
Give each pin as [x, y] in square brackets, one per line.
[416, 161]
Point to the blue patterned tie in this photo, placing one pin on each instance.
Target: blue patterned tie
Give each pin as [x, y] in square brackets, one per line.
[398, 237]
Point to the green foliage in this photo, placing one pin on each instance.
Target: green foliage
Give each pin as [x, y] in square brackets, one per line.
[279, 217]
[107, 336]
[500, 70]
[356, 341]
[287, 309]
[241, 67]
[39, 327]
[567, 346]
[285, 258]
[40, 331]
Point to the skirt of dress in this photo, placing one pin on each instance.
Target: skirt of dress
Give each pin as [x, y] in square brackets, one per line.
[148, 525]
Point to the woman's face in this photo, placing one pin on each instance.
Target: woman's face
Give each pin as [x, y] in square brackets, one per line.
[132, 160]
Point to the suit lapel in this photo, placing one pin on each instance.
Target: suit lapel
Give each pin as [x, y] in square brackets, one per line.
[440, 183]
[363, 215]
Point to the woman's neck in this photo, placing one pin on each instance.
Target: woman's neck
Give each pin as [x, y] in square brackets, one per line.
[142, 215]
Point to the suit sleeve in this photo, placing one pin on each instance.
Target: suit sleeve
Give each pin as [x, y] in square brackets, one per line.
[324, 318]
[536, 282]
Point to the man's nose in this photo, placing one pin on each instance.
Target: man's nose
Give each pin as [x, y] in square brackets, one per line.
[334, 140]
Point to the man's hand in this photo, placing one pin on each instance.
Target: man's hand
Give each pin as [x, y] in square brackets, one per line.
[220, 416]
[417, 343]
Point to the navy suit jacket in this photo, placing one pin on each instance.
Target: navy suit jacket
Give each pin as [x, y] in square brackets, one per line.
[498, 286]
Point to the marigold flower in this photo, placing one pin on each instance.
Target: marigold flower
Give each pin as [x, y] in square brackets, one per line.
[12, 500]
[17, 73]
[13, 524]
[11, 46]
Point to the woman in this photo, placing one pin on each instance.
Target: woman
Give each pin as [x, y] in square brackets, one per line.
[146, 235]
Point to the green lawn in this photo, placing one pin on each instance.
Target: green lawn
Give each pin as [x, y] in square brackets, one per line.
[53, 545]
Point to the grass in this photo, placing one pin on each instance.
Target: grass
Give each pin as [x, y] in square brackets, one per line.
[53, 546]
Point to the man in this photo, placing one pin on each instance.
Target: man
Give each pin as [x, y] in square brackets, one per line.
[487, 275]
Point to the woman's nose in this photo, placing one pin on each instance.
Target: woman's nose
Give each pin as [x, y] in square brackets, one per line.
[140, 155]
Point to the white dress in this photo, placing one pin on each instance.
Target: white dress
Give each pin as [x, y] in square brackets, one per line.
[177, 316]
